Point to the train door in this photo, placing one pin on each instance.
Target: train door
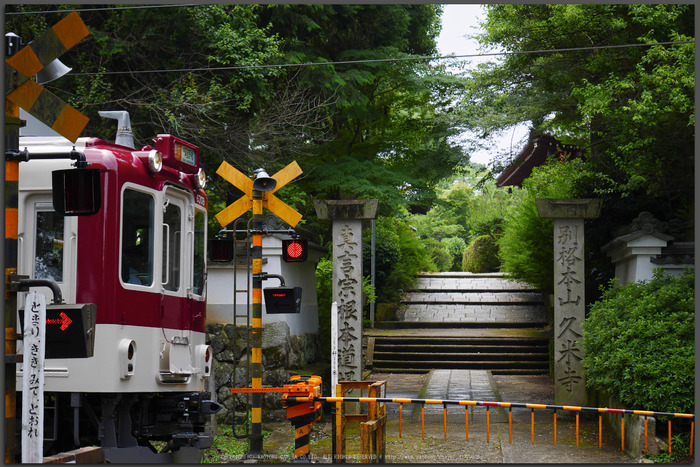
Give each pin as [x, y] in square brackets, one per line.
[47, 245]
[184, 255]
[173, 260]
[174, 307]
[198, 274]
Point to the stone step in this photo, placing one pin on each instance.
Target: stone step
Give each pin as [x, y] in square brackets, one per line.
[470, 296]
[494, 371]
[480, 356]
[512, 366]
[467, 313]
[446, 302]
[468, 282]
[456, 325]
[501, 354]
[444, 340]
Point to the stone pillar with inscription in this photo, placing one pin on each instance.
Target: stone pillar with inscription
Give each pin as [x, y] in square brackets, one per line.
[347, 217]
[569, 297]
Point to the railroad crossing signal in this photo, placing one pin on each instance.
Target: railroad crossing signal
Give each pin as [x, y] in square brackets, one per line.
[270, 201]
[295, 250]
[32, 58]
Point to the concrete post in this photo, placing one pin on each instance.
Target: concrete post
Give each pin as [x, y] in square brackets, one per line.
[347, 217]
[569, 296]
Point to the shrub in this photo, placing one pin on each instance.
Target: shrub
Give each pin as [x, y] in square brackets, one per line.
[324, 294]
[455, 246]
[639, 343]
[526, 245]
[400, 256]
[324, 298]
[481, 255]
[439, 254]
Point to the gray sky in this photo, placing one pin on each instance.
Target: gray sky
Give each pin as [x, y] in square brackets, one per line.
[458, 21]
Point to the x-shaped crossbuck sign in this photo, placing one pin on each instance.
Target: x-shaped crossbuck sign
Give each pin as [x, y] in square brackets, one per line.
[32, 58]
[270, 201]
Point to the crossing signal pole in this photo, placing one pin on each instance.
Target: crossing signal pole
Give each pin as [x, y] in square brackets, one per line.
[21, 91]
[257, 193]
[11, 192]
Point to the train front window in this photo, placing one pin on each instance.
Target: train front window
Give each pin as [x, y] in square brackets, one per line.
[137, 238]
[48, 247]
[172, 236]
[200, 233]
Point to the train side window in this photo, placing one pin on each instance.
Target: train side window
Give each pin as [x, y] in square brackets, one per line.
[48, 246]
[199, 269]
[137, 238]
[172, 235]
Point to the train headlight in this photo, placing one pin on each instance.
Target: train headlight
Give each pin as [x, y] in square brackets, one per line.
[127, 358]
[200, 180]
[155, 161]
[204, 359]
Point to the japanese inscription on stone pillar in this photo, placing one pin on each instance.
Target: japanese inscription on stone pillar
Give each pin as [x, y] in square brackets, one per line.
[347, 292]
[347, 217]
[569, 297]
[569, 301]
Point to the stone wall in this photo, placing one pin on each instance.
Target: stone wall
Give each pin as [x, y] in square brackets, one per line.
[281, 354]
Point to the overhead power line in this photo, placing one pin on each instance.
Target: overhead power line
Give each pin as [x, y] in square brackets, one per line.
[379, 60]
[130, 7]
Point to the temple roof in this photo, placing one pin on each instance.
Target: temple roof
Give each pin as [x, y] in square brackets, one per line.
[535, 153]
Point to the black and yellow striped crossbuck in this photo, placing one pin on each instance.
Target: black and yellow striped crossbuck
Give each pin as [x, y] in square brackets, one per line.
[32, 58]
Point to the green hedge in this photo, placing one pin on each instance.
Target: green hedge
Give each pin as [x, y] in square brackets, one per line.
[639, 342]
[481, 255]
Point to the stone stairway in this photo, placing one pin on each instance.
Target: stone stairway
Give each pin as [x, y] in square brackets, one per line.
[464, 321]
[471, 300]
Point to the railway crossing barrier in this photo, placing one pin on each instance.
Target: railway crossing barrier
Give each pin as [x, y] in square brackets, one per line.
[301, 398]
[532, 407]
[373, 440]
[372, 423]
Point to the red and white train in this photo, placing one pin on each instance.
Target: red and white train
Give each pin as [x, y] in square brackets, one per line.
[141, 261]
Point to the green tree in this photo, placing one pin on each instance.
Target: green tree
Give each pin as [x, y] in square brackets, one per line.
[400, 256]
[124, 64]
[455, 247]
[468, 205]
[526, 245]
[630, 109]
[210, 74]
[389, 121]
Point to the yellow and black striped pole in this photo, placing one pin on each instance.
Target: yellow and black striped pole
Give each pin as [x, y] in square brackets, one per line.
[256, 331]
[11, 193]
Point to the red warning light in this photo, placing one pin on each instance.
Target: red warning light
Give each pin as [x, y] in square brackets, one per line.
[294, 250]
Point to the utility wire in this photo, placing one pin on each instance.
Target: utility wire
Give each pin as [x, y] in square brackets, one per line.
[131, 7]
[341, 62]
[380, 60]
